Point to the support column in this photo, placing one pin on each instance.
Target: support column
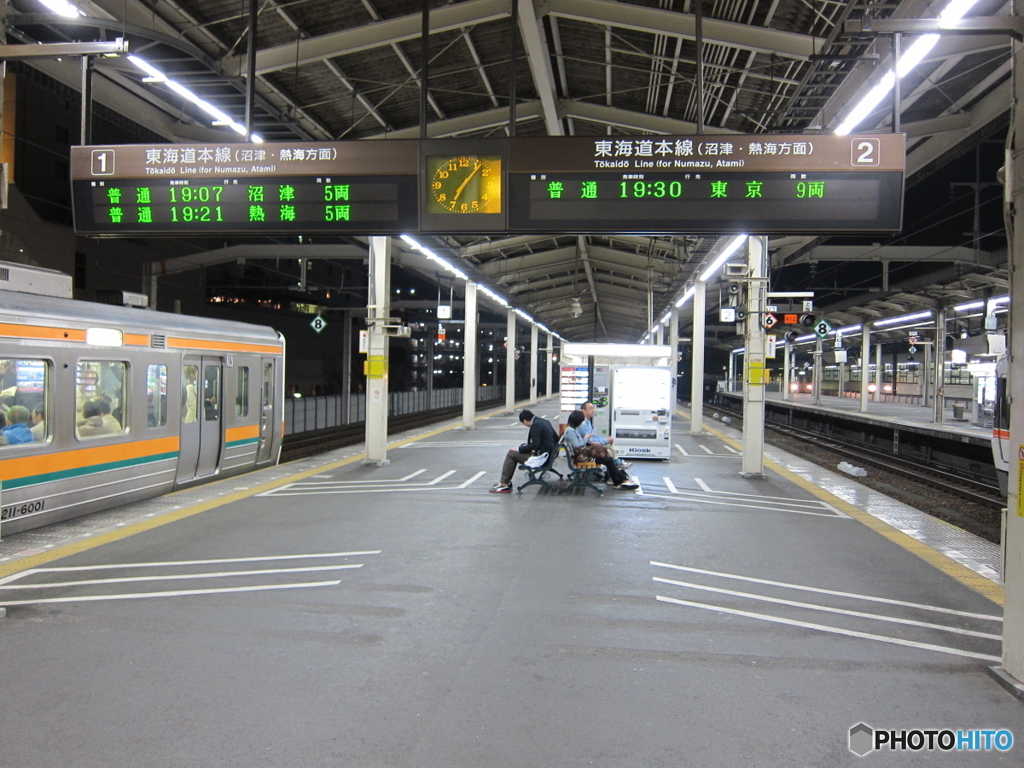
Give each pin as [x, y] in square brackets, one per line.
[732, 371]
[510, 361]
[787, 371]
[697, 377]
[470, 367]
[879, 373]
[550, 366]
[431, 336]
[346, 367]
[534, 346]
[940, 366]
[659, 335]
[754, 361]
[816, 376]
[865, 366]
[378, 309]
[926, 377]
[673, 363]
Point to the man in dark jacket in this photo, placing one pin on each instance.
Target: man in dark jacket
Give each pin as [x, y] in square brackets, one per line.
[541, 439]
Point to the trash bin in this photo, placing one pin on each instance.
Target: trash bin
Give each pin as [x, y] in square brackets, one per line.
[958, 413]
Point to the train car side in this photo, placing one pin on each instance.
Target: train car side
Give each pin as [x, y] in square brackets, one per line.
[124, 404]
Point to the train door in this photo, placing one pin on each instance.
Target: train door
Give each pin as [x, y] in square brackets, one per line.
[267, 420]
[199, 454]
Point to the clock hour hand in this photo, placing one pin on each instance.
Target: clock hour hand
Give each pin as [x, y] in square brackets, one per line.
[462, 186]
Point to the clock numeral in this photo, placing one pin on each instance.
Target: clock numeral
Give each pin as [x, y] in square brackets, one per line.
[436, 185]
[442, 197]
[442, 174]
[464, 162]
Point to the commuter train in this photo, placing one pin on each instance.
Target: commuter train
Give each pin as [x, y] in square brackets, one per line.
[105, 405]
[1001, 447]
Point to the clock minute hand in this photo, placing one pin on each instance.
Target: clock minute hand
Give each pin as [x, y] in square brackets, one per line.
[462, 186]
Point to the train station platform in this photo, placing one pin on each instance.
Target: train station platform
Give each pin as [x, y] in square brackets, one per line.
[918, 416]
[327, 612]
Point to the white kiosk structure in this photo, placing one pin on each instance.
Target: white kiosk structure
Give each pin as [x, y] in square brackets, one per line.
[632, 387]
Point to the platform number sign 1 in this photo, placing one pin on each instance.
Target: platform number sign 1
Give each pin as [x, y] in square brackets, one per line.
[770, 321]
[318, 324]
[823, 328]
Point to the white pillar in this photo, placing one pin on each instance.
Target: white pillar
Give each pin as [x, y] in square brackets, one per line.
[378, 309]
[754, 362]
[940, 366]
[732, 373]
[697, 380]
[659, 335]
[816, 376]
[787, 372]
[534, 346]
[879, 373]
[550, 365]
[469, 363]
[1013, 542]
[510, 361]
[673, 363]
[865, 366]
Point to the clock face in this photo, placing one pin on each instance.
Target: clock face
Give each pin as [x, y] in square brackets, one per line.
[464, 184]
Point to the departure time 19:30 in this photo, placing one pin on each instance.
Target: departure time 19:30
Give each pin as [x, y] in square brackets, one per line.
[651, 189]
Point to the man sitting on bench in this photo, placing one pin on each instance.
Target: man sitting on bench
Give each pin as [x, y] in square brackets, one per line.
[541, 439]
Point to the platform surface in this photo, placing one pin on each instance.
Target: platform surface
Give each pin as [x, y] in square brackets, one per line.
[332, 613]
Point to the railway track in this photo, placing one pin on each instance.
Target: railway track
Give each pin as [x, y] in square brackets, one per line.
[970, 489]
[305, 444]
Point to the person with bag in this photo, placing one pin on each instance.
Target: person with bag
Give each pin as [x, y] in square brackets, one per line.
[540, 440]
[591, 436]
[584, 451]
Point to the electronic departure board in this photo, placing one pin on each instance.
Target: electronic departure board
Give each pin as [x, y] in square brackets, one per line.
[758, 184]
[246, 188]
[765, 184]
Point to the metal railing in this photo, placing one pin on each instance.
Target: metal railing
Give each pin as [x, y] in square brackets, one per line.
[305, 414]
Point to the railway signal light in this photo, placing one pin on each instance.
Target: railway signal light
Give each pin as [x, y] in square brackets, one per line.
[808, 321]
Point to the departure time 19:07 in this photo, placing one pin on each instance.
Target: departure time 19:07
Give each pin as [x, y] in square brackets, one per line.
[651, 189]
[195, 194]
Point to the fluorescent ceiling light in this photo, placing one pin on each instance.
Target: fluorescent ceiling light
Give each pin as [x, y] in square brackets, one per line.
[667, 317]
[723, 257]
[686, 296]
[913, 56]
[220, 118]
[902, 319]
[968, 306]
[62, 8]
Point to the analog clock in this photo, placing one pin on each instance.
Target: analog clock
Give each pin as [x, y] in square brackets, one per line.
[464, 184]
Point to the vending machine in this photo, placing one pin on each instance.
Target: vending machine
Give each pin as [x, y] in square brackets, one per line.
[642, 399]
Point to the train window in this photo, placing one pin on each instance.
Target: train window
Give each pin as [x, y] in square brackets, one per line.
[242, 397]
[156, 395]
[189, 394]
[268, 385]
[211, 392]
[100, 397]
[24, 390]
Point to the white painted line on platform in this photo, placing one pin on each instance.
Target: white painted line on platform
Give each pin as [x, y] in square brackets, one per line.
[706, 449]
[702, 484]
[439, 478]
[681, 449]
[321, 477]
[671, 486]
[706, 500]
[853, 595]
[844, 612]
[473, 479]
[177, 593]
[731, 449]
[67, 568]
[834, 630]
[179, 576]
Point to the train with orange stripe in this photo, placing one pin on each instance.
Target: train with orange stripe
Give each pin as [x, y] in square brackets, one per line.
[104, 405]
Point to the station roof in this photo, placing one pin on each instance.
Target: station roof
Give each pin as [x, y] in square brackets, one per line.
[330, 70]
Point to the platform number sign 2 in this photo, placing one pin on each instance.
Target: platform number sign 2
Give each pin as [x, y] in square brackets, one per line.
[864, 151]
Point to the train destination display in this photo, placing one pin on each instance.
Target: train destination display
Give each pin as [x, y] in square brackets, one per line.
[764, 184]
[246, 188]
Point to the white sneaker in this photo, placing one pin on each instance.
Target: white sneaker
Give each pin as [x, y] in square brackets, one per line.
[629, 485]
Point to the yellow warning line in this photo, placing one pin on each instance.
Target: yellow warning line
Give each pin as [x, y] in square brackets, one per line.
[35, 561]
[944, 563]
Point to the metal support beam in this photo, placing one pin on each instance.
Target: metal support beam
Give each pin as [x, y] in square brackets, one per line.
[377, 312]
[57, 50]
[470, 345]
[756, 376]
[537, 53]
[510, 360]
[534, 334]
